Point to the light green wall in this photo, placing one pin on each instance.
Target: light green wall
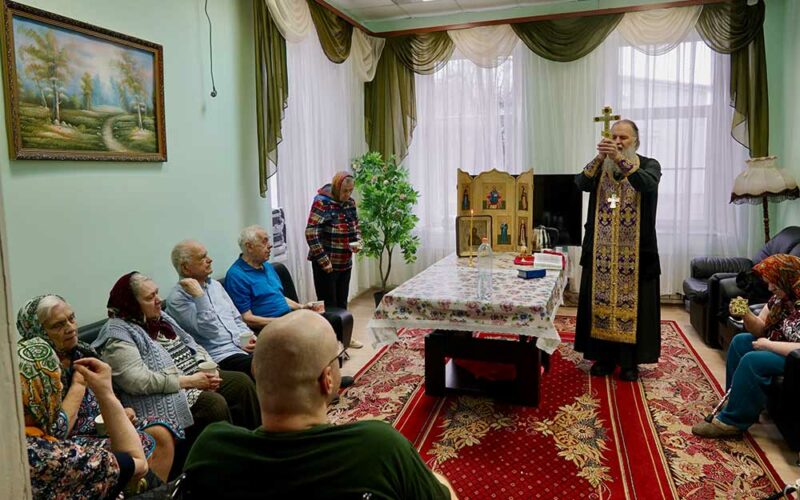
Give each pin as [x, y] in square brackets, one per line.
[785, 102]
[74, 227]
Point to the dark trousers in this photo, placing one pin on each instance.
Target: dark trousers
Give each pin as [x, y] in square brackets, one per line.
[333, 287]
[238, 363]
[235, 401]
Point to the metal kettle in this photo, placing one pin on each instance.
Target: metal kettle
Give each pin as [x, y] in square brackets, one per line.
[540, 238]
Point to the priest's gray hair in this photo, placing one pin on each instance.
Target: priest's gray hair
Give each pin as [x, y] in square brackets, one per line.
[249, 235]
[45, 307]
[633, 127]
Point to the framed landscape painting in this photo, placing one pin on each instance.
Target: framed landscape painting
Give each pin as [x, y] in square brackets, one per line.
[79, 92]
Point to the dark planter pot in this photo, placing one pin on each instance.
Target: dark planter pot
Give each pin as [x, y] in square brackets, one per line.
[378, 297]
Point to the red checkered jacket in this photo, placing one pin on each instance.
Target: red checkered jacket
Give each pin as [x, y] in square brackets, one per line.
[331, 226]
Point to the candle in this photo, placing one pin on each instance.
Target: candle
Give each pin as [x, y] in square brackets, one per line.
[471, 242]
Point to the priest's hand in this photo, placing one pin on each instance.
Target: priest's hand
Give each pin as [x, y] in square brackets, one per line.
[607, 148]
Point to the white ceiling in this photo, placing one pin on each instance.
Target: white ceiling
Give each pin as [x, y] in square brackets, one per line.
[386, 10]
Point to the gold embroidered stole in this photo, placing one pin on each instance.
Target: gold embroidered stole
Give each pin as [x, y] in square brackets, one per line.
[615, 267]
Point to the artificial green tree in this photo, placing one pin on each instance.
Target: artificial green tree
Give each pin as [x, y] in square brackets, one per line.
[385, 211]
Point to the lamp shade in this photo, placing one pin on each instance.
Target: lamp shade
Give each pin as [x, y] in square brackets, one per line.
[763, 178]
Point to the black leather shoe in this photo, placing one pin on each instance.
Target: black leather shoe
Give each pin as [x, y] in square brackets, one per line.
[347, 381]
[629, 374]
[601, 369]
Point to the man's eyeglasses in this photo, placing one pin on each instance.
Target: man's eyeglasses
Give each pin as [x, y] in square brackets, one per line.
[339, 356]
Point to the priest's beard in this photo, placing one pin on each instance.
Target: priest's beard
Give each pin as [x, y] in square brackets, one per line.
[610, 165]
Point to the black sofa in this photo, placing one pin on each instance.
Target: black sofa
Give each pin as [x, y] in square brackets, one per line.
[713, 282]
[340, 319]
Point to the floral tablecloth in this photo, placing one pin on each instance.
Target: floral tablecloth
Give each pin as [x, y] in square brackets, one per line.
[444, 296]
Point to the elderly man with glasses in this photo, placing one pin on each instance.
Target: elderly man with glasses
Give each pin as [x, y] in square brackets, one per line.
[297, 450]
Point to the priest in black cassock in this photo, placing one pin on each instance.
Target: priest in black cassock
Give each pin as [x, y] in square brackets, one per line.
[619, 313]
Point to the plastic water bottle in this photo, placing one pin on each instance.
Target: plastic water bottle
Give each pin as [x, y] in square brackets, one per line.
[484, 270]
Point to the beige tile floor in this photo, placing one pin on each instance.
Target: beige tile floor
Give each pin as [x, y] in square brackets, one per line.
[766, 434]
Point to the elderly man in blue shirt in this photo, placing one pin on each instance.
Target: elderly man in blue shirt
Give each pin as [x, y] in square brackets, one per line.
[254, 286]
[202, 307]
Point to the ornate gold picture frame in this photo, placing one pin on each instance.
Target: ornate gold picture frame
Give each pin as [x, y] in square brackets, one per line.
[75, 91]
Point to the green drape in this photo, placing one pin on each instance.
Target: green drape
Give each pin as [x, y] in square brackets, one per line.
[423, 54]
[272, 89]
[390, 106]
[738, 29]
[566, 39]
[335, 34]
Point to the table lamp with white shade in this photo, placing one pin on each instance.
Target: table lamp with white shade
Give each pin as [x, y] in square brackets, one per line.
[761, 182]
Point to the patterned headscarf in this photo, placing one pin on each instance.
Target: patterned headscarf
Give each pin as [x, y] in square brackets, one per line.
[338, 180]
[40, 377]
[783, 271]
[122, 304]
[29, 326]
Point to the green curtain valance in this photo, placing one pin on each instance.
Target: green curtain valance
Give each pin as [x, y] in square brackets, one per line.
[424, 54]
[272, 89]
[390, 102]
[335, 34]
[567, 39]
[390, 106]
[738, 29]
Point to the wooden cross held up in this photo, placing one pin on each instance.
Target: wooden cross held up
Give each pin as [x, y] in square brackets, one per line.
[606, 118]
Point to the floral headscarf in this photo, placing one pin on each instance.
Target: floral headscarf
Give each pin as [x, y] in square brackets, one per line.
[338, 180]
[783, 271]
[40, 377]
[122, 304]
[29, 327]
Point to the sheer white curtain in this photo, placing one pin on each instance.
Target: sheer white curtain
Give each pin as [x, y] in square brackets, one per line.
[680, 100]
[323, 130]
[530, 112]
[470, 118]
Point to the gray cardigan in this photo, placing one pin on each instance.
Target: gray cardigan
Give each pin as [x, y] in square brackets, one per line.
[144, 374]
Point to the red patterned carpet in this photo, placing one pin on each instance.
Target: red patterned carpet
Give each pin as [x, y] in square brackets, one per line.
[589, 438]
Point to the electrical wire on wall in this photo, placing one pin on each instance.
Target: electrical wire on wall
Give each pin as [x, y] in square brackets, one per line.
[211, 53]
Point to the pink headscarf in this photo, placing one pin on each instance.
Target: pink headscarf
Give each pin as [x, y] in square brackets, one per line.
[338, 180]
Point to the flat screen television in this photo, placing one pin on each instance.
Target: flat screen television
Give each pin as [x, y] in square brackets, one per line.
[558, 203]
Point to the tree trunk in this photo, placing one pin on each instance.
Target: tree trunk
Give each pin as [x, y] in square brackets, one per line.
[41, 92]
[384, 279]
[139, 110]
[56, 103]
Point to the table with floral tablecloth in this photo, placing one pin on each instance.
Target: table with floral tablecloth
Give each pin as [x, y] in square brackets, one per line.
[444, 297]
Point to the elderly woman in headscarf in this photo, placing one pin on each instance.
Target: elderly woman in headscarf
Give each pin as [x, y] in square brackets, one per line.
[52, 319]
[755, 357]
[156, 366]
[64, 468]
[333, 236]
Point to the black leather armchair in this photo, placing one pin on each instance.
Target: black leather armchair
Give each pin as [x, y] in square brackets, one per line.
[783, 404]
[340, 319]
[746, 285]
[713, 282]
[701, 288]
